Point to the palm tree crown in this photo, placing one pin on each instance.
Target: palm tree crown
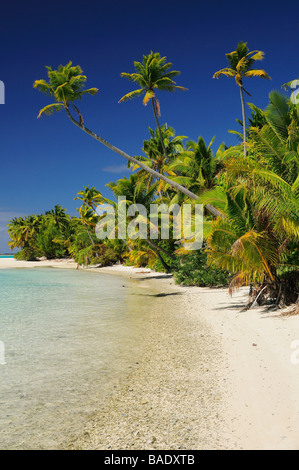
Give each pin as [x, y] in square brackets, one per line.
[66, 85]
[152, 74]
[241, 62]
[90, 197]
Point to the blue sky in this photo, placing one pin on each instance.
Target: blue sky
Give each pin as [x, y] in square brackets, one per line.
[46, 161]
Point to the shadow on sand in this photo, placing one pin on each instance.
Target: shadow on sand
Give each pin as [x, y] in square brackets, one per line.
[159, 276]
[162, 294]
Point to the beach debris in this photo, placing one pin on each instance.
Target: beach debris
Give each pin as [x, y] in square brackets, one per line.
[151, 440]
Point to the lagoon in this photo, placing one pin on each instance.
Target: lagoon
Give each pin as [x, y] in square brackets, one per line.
[68, 338]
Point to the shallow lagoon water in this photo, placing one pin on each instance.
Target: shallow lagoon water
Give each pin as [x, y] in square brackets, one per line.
[68, 337]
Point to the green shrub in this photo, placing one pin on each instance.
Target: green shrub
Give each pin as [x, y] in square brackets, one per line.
[45, 243]
[27, 254]
[192, 270]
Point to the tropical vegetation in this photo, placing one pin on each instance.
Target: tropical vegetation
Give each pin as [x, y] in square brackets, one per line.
[251, 205]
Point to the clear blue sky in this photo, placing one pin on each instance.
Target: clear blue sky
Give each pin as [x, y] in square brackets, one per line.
[47, 161]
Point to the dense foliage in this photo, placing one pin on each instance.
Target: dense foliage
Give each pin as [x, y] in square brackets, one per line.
[249, 191]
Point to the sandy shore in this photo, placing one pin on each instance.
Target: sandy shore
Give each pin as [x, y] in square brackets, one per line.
[208, 376]
[7, 263]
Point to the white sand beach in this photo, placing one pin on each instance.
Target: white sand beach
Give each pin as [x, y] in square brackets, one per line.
[6, 263]
[245, 362]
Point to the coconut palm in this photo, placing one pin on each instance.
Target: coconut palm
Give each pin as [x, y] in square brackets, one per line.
[154, 154]
[152, 74]
[66, 86]
[196, 167]
[154, 151]
[240, 249]
[240, 66]
[23, 230]
[15, 233]
[258, 240]
[89, 220]
[134, 190]
[90, 197]
[58, 216]
[137, 192]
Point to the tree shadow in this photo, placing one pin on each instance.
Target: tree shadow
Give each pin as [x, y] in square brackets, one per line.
[161, 294]
[160, 276]
[238, 307]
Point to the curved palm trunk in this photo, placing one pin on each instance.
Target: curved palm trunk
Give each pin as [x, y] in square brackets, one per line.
[159, 248]
[244, 120]
[160, 176]
[156, 250]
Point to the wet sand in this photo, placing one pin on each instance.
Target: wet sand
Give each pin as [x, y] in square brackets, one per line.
[207, 375]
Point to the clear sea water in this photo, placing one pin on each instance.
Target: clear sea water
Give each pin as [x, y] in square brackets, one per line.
[66, 338]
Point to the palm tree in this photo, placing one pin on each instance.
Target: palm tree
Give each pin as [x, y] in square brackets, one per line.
[154, 151]
[89, 219]
[23, 230]
[154, 154]
[59, 217]
[90, 197]
[136, 192]
[258, 239]
[152, 74]
[196, 167]
[66, 85]
[241, 63]
[15, 233]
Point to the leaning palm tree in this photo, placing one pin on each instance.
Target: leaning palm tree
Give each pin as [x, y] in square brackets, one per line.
[66, 86]
[152, 74]
[240, 66]
[137, 192]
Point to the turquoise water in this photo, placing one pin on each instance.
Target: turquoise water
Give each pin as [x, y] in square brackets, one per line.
[66, 338]
[6, 256]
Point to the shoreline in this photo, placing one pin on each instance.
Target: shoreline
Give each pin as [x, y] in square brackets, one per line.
[225, 381]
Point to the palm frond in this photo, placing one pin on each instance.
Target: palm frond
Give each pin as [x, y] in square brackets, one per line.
[257, 55]
[226, 71]
[131, 95]
[215, 196]
[257, 73]
[50, 108]
[148, 95]
[91, 91]
[44, 87]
